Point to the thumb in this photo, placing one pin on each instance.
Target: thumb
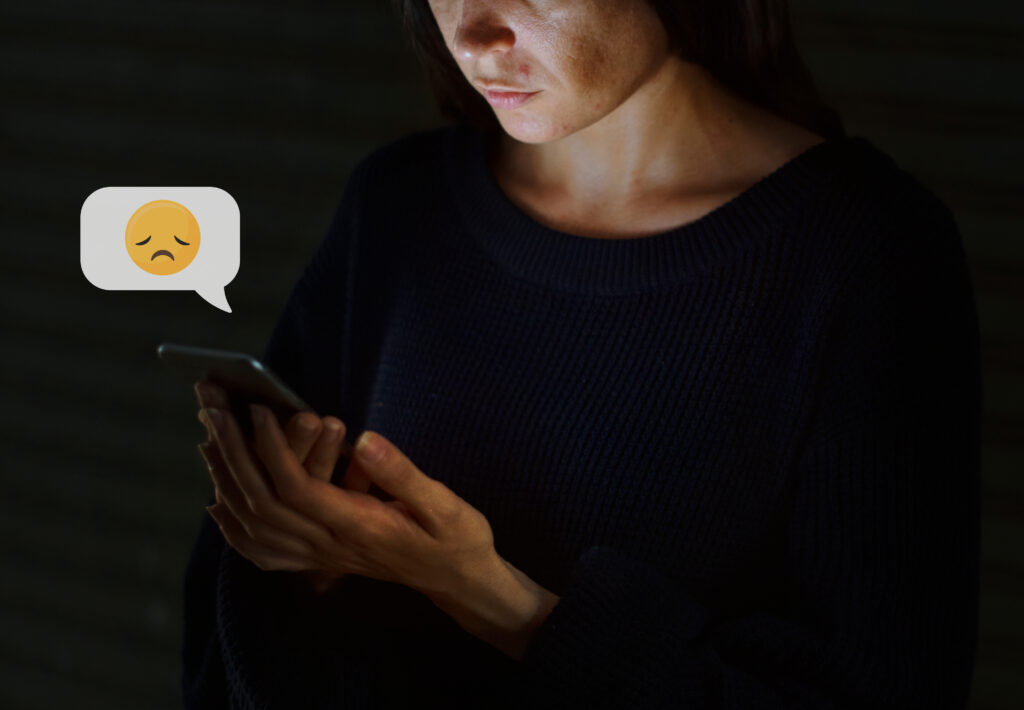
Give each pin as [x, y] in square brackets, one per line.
[391, 470]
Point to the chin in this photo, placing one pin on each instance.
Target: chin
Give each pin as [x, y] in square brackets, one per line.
[534, 128]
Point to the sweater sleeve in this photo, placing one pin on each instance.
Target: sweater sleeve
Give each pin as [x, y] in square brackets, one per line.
[882, 537]
[304, 349]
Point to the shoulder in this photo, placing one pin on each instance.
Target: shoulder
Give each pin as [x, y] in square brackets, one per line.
[884, 195]
[876, 212]
[870, 226]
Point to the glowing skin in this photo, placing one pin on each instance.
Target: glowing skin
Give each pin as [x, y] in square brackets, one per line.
[624, 136]
[162, 237]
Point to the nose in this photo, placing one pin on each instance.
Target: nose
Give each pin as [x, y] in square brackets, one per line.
[481, 30]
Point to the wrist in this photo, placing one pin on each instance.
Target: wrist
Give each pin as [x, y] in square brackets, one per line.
[501, 605]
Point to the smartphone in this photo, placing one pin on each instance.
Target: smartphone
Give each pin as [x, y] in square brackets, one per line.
[245, 379]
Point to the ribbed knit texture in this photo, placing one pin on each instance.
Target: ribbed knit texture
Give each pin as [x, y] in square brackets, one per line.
[744, 452]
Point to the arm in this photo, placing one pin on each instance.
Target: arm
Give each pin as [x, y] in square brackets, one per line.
[500, 605]
[306, 355]
[883, 537]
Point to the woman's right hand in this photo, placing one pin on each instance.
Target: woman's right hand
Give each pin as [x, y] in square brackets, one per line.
[317, 443]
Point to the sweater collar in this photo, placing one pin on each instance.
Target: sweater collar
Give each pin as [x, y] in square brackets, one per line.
[573, 263]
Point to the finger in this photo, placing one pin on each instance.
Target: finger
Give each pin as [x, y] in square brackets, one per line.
[317, 500]
[284, 470]
[301, 432]
[231, 501]
[210, 394]
[325, 452]
[225, 488]
[431, 502]
[263, 556]
[355, 478]
[261, 499]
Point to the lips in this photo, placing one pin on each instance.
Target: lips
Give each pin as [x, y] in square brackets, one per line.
[501, 88]
[509, 99]
[161, 251]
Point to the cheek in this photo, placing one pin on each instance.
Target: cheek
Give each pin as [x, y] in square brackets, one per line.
[587, 64]
[594, 81]
[606, 60]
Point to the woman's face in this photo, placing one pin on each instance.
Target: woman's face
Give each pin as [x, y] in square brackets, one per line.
[583, 57]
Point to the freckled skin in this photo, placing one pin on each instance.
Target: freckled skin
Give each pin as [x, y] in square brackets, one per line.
[571, 49]
[621, 126]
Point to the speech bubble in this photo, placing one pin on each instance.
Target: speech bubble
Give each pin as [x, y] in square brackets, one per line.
[161, 239]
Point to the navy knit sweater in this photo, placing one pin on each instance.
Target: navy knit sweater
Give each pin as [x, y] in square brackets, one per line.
[744, 452]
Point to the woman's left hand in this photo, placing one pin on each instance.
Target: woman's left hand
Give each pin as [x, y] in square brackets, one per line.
[428, 538]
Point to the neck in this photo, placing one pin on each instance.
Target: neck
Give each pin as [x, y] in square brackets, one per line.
[681, 132]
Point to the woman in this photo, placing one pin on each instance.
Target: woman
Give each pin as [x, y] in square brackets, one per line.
[675, 387]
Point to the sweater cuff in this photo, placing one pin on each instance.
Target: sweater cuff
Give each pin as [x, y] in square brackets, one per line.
[620, 632]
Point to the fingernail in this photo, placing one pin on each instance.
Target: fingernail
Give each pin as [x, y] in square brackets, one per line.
[213, 417]
[333, 426]
[369, 447]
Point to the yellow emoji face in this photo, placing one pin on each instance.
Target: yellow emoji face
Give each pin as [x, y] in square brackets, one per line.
[162, 237]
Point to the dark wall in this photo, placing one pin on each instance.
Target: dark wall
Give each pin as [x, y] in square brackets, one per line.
[103, 490]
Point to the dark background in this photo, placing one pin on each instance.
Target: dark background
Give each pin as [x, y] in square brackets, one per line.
[102, 487]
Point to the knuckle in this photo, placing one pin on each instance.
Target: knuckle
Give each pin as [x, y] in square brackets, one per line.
[249, 500]
[260, 532]
[291, 492]
[337, 540]
[247, 526]
[453, 514]
[259, 506]
[323, 545]
[230, 511]
[213, 470]
[360, 541]
[449, 508]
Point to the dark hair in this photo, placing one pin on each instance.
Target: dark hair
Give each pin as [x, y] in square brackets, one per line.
[748, 45]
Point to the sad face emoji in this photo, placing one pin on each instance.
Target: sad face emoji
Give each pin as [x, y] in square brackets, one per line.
[162, 237]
